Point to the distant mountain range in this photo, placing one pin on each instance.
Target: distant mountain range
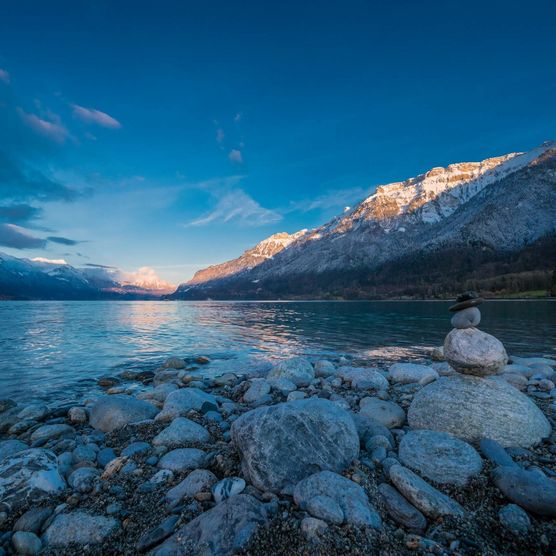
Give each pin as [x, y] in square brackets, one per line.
[44, 279]
[489, 225]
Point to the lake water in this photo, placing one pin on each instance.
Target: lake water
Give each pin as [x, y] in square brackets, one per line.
[55, 350]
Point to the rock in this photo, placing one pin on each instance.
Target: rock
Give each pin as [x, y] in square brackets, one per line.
[158, 393]
[35, 412]
[514, 519]
[466, 318]
[473, 352]
[224, 530]
[183, 459]
[46, 432]
[282, 385]
[408, 373]
[529, 489]
[437, 353]
[6, 403]
[516, 380]
[349, 496]
[363, 378]
[181, 431]
[32, 520]
[258, 392]
[227, 379]
[174, 363]
[400, 510]
[84, 453]
[227, 487]
[83, 479]
[162, 477]
[423, 496]
[313, 528]
[297, 369]
[26, 543]
[368, 427]
[78, 415]
[296, 395]
[202, 360]
[180, 402]
[29, 476]
[199, 480]
[473, 408]
[110, 413]
[80, 528]
[284, 443]
[136, 448]
[155, 536]
[11, 447]
[440, 457]
[325, 508]
[324, 368]
[496, 453]
[105, 456]
[466, 303]
[389, 414]
[528, 361]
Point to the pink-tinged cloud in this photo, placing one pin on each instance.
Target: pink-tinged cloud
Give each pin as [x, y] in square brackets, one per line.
[92, 116]
[235, 156]
[52, 128]
[4, 76]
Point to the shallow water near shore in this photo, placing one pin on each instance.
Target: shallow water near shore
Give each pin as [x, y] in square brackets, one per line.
[56, 349]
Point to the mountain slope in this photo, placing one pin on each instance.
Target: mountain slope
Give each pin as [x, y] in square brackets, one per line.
[497, 206]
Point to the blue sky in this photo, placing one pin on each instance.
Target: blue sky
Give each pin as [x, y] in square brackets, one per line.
[177, 134]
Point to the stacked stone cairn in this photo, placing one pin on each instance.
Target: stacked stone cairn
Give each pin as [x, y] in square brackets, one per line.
[474, 403]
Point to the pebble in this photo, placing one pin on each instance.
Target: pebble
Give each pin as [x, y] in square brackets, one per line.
[400, 510]
[227, 487]
[183, 459]
[389, 414]
[514, 519]
[312, 528]
[80, 528]
[26, 543]
[495, 453]
[325, 508]
[181, 431]
[32, 520]
[197, 481]
[136, 448]
[156, 535]
[466, 318]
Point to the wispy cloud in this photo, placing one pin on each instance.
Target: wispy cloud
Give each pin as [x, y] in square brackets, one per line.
[19, 212]
[49, 261]
[96, 117]
[237, 118]
[236, 156]
[19, 238]
[333, 199]
[4, 76]
[63, 240]
[51, 128]
[237, 206]
[220, 135]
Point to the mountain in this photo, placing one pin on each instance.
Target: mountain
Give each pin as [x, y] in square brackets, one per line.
[429, 235]
[46, 279]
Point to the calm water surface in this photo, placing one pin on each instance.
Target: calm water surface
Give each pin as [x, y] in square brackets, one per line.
[54, 349]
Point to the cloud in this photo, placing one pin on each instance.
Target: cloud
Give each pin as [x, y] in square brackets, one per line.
[333, 199]
[235, 156]
[19, 238]
[51, 128]
[238, 206]
[145, 277]
[18, 213]
[49, 261]
[92, 116]
[220, 135]
[237, 118]
[93, 265]
[62, 240]
[4, 76]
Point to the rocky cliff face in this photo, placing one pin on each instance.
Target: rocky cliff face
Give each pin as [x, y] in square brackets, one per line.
[500, 204]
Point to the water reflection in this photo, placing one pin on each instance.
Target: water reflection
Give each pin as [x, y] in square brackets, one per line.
[48, 347]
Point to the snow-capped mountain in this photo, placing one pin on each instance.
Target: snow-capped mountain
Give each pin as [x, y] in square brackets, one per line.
[47, 279]
[499, 206]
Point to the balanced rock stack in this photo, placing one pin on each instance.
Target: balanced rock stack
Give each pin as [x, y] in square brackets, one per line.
[474, 403]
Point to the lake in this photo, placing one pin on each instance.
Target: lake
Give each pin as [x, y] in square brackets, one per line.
[57, 349]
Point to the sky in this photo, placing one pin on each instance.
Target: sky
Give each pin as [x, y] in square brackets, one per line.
[175, 135]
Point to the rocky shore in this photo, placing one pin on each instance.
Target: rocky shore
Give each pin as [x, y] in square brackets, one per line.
[455, 454]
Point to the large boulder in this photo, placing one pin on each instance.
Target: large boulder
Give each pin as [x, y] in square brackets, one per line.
[297, 369]
[223, 530]
[180, 402]
[284, 443]
[349, 496]
[440, 457]
[474, 352]
[29, 476]
[473, 408]
[109, 413]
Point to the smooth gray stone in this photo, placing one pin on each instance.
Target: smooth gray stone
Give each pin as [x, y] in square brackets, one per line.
[183, 459]
[363, 378]
[32, 520]
[284, 443]
[199, 480]
[136, 448]
[367, 427]
[174, 363]
[159, 393]
[35, 412]
[495, 453]
[80, 528]
[313, 528]
[423, 496]
[11, 447]
[180, 402]
[474, 352]
[440, 457]
[325, 508]
[466, 318]
[349, 496]
[391, 415]
[400, 510]
[474, 408]
[156, 535]
[227, 488]
[324, 368]
[514, 519]
[528, 489]
[410, 373]
[83, 479]
[296, 369]
[282, 385]
[105, 456]
[258, 391]
[29, 476]
[46, 432]
[224, 530]
[109, 413]
[181, 431]
[84, 452]
[26, 543]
